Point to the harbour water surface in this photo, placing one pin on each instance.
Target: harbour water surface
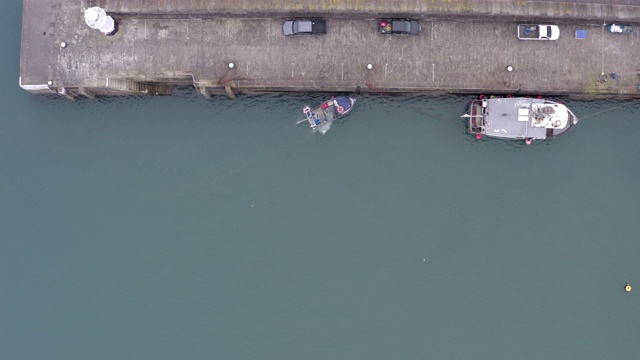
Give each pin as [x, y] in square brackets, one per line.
[181, 228]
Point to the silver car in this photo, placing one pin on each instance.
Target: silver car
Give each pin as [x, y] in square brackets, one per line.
[309, 27]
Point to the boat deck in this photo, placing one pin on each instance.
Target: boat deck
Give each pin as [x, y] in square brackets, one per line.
[519, 118]
[320, 115]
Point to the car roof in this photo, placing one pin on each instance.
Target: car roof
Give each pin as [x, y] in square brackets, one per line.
[399, 25]
[304, 25]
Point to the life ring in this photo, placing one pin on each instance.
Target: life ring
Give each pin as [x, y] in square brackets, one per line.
[340, 109]
[482, 96]
[557, 123]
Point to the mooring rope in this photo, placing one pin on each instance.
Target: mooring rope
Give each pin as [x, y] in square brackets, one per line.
[600, 112]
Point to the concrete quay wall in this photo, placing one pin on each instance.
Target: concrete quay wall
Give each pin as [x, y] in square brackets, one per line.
[164, 43]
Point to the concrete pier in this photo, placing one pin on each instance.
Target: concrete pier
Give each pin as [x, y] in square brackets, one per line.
[465, 47]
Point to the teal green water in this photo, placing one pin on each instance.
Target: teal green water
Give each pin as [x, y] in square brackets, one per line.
[181, 228]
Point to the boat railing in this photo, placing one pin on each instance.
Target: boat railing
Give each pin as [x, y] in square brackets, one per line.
[307, 112]
[476, 116]
[573, 119]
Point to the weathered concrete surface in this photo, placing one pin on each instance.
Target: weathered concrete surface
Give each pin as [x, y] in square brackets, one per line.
[373, 8]
[465, 55]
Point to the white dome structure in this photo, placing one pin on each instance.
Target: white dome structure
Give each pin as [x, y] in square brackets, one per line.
[97, 18]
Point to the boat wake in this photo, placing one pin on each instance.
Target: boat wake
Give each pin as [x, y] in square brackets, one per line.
[322, 128]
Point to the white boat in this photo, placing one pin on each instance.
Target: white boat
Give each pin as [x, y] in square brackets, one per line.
[518, 118]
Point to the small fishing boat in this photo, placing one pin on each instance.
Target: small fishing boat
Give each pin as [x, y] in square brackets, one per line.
[518, 118]
[327, 112]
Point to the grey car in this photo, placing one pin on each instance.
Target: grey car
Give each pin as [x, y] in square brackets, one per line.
[399, 26]
[308, 26]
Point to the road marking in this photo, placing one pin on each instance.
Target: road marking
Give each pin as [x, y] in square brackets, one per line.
[432, 30]
[602, 49]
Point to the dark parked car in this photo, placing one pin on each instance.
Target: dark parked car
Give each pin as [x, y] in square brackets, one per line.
[309, 27]
[399, 26]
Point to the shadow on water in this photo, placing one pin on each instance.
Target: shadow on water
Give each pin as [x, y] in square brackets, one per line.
[439, 112]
